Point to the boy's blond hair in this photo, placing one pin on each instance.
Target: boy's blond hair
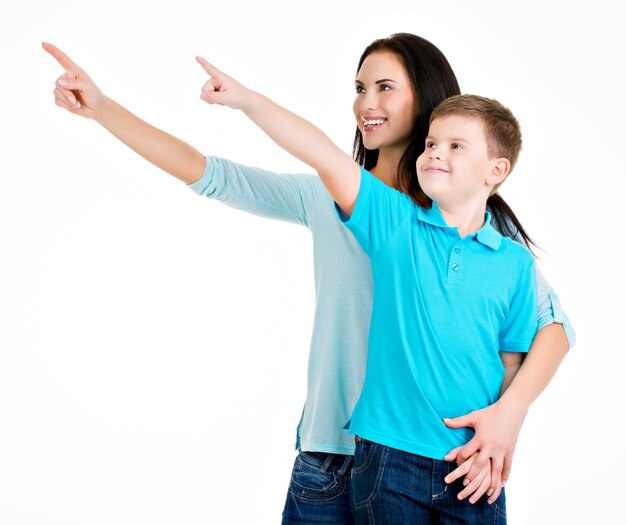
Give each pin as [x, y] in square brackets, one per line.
[502, 130]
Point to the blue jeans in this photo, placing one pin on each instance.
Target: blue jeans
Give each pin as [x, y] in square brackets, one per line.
[391, 486]
[319, 491]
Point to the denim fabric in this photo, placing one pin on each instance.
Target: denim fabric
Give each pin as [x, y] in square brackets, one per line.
[390, 486]
[319, 491]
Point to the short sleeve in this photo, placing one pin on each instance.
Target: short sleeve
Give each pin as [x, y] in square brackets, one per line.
[378, 212]
[518, 330]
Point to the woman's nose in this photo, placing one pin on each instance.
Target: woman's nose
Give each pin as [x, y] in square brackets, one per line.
[369, 101]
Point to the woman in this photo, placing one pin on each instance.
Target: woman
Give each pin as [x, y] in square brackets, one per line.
[394, 99]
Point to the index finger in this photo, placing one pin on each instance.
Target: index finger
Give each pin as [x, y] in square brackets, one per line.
[211, 70]
[61, 57]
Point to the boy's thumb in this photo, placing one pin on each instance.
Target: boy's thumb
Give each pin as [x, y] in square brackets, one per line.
[213, 97]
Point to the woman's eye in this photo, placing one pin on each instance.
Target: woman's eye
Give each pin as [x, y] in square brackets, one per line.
[359, 89]
[385, 87]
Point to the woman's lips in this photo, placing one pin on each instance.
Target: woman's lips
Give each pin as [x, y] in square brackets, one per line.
[372, 123]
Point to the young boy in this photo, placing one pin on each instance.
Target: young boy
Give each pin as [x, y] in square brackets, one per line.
[453, 299]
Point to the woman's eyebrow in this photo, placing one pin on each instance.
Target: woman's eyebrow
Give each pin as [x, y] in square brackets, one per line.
[381, 81]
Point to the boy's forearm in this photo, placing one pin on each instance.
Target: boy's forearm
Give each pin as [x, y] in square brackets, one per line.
[158, 147]
[290, 131]
[299, 137]
[546, 353]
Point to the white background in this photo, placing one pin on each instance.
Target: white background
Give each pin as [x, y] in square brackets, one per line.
[153, 344]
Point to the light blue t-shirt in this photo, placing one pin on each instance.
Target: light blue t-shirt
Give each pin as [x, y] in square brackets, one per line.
[444, 307]
[343, 288]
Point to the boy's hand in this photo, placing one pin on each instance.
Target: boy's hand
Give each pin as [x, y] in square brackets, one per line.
[74, 90]
[479, 483]
[222, 89]
[497, 430]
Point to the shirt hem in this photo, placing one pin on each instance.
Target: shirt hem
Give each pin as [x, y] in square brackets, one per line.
[405, 446]
[328, 449]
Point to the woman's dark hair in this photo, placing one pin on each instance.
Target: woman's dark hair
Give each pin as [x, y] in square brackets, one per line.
[433, 81]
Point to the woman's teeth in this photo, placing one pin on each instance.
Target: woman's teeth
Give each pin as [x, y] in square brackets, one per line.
[373, 122]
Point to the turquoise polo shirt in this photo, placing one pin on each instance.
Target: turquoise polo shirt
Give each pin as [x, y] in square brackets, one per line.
[443, 309]
[342, 279]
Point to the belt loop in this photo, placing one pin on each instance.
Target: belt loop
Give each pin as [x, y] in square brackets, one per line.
[346, 465]
[327, 463]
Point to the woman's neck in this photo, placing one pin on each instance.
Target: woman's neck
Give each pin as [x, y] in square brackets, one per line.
[386, 169]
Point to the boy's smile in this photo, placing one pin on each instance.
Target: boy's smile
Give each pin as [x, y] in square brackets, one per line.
[455, 165]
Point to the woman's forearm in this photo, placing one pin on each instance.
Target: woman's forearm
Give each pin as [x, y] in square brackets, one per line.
[544, 357]
[156, 146]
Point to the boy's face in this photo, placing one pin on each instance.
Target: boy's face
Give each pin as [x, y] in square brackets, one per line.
[455, 165]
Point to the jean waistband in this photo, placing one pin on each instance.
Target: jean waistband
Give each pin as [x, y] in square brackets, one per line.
[327, 461]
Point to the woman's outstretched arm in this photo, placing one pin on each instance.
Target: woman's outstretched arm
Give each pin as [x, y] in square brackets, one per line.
[77, 92]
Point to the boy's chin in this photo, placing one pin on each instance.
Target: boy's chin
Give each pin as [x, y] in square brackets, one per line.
[433, 195]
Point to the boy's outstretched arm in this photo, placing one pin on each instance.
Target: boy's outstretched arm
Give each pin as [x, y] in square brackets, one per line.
[339, 173]
[76, 92]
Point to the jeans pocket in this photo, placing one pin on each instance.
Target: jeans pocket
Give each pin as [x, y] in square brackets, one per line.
[309, 482]
[363, 455]
[369, 465]
[499, 506]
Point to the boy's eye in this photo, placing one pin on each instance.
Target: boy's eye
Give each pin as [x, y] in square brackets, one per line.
[456, 146]
[431, 145]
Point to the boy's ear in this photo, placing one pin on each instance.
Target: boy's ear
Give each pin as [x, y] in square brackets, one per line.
[499, 172]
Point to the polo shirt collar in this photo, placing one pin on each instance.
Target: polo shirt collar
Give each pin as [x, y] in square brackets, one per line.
[487, 235]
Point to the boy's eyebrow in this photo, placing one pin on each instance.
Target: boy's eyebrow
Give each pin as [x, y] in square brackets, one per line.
[451, 139]
[381, 81]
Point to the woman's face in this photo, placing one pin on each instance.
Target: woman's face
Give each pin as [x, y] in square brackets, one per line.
[385, 106]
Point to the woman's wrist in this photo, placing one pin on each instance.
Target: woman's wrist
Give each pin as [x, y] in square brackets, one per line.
[103, 109]
[513, 403]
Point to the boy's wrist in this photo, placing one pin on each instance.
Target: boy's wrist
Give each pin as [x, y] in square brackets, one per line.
[254, 101]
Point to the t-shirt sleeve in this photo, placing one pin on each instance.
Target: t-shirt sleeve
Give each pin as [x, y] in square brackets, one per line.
[549, 309]
[518, 330]
[283, 197]
[377, 213]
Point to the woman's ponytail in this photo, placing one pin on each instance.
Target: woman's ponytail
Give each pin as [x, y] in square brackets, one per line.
[506, 222]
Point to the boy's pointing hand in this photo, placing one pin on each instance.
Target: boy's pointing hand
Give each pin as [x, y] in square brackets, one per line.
[222, 89]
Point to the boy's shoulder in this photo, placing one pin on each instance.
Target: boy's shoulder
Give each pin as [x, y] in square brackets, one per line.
[514, 250]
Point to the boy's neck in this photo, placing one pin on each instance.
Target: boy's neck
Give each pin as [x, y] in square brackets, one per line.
[467, 217]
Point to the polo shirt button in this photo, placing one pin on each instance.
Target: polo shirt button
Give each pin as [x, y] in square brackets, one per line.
[455, 267]
[457, 249]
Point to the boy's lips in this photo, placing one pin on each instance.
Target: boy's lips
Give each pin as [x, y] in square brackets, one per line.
[435, 169]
